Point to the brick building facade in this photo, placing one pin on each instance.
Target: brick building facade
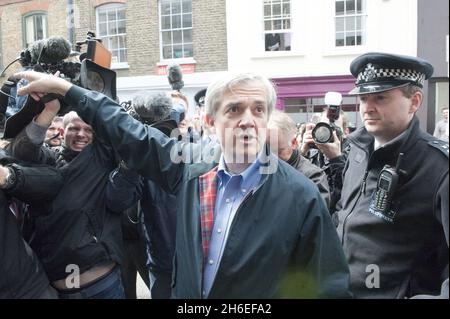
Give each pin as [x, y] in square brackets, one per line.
[144, 64]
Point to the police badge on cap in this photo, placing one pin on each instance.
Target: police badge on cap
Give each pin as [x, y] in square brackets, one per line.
[200, 97]
[378, 72]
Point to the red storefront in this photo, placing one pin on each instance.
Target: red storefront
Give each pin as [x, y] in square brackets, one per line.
[303, 97]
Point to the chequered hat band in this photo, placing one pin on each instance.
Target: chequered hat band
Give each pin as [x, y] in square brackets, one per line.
[371, 74]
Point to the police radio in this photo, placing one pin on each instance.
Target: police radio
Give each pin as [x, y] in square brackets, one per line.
[387, 185]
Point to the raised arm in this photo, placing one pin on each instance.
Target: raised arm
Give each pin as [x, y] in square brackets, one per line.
[142, 148]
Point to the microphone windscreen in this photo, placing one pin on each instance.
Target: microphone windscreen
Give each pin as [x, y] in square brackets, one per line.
[152, 107]
[175, 77]
[55, 50]
[35, 50]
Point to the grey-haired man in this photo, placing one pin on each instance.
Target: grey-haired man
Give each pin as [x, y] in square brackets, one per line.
[235, 238]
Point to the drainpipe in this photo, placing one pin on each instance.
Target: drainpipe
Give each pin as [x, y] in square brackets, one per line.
[71, 22]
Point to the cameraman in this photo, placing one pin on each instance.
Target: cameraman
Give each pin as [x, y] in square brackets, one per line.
[329, 156]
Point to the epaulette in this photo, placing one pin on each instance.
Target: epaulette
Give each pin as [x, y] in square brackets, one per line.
[440, 145]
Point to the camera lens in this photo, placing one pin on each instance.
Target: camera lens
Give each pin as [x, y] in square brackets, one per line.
[322, 133]
[95, 81]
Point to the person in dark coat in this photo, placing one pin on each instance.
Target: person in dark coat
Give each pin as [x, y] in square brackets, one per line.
[22, 274]
[235, 237]
[78, 239]
[393, 223]
[155, 220]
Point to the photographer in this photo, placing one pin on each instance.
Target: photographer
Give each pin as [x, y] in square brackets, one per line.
[325, 145]
[283, 142]
[77, 238]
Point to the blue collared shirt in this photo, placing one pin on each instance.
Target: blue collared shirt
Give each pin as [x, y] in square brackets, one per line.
[231, 190]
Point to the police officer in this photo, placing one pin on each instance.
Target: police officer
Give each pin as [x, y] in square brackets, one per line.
[200, 98]
[393, 220]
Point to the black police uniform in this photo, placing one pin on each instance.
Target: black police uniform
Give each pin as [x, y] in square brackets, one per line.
[399, 250]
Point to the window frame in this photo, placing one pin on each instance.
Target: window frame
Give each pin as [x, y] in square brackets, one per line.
[183, 59]
[282, 17]
[1, 47]
[33, 14]
[108, 7]
[345, 16]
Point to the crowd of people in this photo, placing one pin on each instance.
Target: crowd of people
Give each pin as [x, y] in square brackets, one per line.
[236, 202]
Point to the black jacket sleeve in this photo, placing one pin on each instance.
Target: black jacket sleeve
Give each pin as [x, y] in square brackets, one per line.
[124, 189]
[35, 184]
[336, 167]
[319, 254]
[22, 148]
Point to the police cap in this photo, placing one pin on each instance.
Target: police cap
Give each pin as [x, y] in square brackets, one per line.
[378, 72]
[200, 97]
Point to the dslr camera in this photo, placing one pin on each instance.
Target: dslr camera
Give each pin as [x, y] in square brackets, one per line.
[323, 132]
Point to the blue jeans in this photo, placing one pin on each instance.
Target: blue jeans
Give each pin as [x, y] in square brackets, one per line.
[108, 287]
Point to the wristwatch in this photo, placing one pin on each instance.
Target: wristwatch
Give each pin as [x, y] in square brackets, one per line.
[10, 179]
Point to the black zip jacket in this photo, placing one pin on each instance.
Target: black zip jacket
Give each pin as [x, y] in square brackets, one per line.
[78, 228]
[277, 246]
[21, 273]
[407, 246]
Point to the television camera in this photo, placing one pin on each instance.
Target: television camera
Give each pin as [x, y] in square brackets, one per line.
[89, 70]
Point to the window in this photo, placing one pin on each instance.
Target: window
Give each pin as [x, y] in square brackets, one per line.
[277, 25]
[350, 25]
[176, 29]
[35, 27]
[111, 28]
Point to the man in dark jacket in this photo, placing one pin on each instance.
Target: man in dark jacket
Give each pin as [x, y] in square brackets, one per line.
[394, 218]
[157, 209]
[78, 239]
[235, 237]
[22, 275]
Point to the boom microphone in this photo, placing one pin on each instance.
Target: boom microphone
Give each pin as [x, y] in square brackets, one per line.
[152, 107]
[35, 51]
[175, 77]
[55, 50]
[50, 51]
